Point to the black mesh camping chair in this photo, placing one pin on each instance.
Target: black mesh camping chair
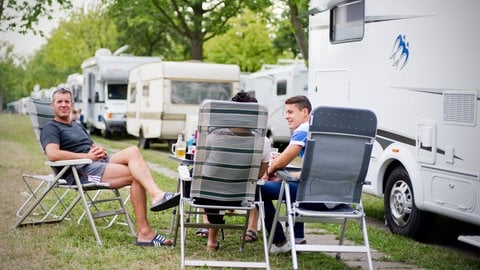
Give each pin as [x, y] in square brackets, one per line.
[330, 186]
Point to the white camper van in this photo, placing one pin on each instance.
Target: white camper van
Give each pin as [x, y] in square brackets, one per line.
[271, 86]
[416, 64]
[164, 97]
[104, 95]
[75, 83]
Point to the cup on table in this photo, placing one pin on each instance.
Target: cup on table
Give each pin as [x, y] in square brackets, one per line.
[274, 153]
[179, 149]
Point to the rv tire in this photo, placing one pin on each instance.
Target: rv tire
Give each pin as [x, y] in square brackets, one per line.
[401, 214]
[106, 134]
[143, 143]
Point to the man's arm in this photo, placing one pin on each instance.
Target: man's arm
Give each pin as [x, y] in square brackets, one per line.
[54, 153]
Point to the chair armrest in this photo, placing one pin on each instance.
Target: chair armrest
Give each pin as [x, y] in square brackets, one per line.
[184, 173]
[293, 168]
[286, 176]
[69, 162]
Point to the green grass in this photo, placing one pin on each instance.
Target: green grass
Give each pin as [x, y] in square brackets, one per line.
[69, 245]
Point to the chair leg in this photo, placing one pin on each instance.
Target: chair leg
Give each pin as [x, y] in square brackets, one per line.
[27, 208]
[182, 234]
[291, 225]
[277, 215]
[261, 213]
[366, 243]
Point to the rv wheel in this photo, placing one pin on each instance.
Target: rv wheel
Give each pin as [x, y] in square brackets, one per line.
[106, 134]
[143, 143]
[402, 216]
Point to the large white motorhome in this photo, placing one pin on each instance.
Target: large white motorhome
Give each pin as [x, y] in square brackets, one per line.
[104, 94]
[164, 97]
[75, 83]
[415, 63]
[271, 86]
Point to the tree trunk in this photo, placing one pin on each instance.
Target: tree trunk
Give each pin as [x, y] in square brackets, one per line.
[197, 35]
[300, 35]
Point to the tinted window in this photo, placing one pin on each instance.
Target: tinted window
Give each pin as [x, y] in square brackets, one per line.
[188, 92]
[347, 22]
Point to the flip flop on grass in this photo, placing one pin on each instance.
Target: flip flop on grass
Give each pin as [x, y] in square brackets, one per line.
[157, 241]
[202, 232]
[251, 236]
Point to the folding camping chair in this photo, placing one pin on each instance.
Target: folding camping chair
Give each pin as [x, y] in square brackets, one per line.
[48, 199]
[226, 164]
[330, 186]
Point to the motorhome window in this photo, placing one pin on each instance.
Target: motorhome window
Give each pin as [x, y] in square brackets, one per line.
[133, 94]
[117, 91]
[281, 87]
[146, 90]
[347, 22]
[78, 93]
[189, 92]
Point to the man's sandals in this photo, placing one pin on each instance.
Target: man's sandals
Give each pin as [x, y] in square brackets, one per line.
[157, 241]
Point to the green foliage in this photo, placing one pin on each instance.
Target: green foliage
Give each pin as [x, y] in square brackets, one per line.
[247, 43]
[11, 74]
[22, 16]
[183, 25]
[72, 42]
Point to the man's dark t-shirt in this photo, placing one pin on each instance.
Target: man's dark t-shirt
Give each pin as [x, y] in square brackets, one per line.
[70, 137]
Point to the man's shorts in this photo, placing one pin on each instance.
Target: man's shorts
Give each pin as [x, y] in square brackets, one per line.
[89, 173]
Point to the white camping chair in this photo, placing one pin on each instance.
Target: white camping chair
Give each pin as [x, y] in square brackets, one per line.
[228, 156]
[334, 167]
[48, 198]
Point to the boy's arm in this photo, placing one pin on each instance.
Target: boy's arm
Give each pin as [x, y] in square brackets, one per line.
[287, 156]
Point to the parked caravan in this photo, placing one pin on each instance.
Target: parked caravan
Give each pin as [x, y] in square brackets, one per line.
[104, 94]
[164, 97]
[271, 86]
[414, 63]
[42, 94]
[75, 83]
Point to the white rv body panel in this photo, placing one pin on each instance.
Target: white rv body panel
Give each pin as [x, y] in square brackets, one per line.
[75, 83]
[105, 89]
[416, 66]
[271, 86]
[163, 97]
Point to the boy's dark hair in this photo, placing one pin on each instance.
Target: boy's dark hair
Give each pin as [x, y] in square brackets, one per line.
[243, 97]
[301, 102]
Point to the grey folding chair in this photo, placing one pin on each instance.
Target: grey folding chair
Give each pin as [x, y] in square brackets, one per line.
[225, 173]
[334, 167]
[48, 196]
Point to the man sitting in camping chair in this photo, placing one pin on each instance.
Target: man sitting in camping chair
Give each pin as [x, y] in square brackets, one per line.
[63, 139]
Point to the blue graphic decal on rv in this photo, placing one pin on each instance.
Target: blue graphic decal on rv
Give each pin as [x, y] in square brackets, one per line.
[400, 52]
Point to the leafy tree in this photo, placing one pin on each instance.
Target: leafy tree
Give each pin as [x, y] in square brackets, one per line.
[299, 24]
[187, 23]
[11, 74]
[291, 35]
[23, 15]
[142, 29]
[246, 43]
[70, 44]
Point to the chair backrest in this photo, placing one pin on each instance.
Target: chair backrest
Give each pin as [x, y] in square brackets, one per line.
[40, 113]
[230, 144]
[337, 155]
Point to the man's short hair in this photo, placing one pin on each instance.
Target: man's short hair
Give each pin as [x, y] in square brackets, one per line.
[300, 101]
[62, 90]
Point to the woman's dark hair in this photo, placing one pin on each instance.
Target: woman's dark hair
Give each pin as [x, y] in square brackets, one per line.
[243, 97]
